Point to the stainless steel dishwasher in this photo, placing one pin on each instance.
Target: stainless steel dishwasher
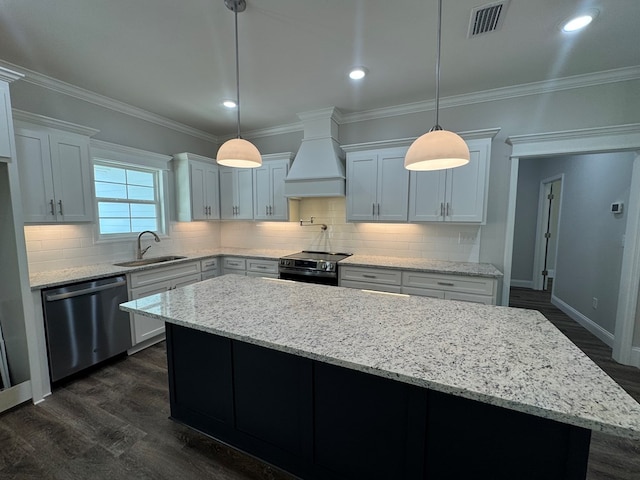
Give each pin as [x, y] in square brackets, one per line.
[84, 324]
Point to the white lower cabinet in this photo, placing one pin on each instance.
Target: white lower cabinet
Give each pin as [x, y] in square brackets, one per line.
[378, 279]
[450, 287]
[262, 268]
[209, 268]
[152, 281]
[235, 265]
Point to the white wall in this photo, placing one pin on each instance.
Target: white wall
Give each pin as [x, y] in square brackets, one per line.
[439, 242]
[590, 248]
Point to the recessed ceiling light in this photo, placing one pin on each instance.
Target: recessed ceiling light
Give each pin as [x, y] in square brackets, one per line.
[358, 73]
[579, 22]
[229, 104]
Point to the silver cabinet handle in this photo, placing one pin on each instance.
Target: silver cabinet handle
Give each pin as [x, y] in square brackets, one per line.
[378, 209]
[235, 264]
[53, 212]
[270, 210]
[60, 205]
[262, 267]
[448, 214]
[373, 209]
[447, 284]
[204, 207]
[441, 209]
[208, 210]
[368, 276]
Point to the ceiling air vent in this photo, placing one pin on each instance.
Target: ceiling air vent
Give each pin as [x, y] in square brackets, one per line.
[487, 18]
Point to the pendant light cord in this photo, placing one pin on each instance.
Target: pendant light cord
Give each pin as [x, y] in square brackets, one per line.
[437, 125]
[235, 10]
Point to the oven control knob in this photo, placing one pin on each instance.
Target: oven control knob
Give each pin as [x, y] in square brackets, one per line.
[322, 265]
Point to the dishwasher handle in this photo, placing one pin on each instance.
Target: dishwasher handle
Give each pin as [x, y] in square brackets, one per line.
[84, 291]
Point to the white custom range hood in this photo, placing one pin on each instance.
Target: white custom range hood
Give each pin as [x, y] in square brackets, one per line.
[318, 169]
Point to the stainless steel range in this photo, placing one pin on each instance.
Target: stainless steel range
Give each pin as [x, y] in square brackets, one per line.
[311, 267]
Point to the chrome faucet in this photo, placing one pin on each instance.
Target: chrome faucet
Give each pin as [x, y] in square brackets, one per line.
[140, 252]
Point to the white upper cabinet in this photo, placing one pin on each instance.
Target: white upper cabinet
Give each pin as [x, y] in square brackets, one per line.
[269, 202]
[377, 186]
[55, 177]
[236, 193]
[453, 195]
[5, 122]
[197, 187]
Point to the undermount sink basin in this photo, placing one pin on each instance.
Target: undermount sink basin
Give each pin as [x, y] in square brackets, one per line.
[149, 261]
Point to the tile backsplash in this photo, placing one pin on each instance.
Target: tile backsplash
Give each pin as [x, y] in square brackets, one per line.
[435, 241]
[52, 247]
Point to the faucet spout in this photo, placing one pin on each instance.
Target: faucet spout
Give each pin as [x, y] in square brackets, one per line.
[140, 252]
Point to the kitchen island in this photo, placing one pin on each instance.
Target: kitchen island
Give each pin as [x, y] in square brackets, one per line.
[329, 382]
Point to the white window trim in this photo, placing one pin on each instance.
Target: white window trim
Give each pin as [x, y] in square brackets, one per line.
[127, 156]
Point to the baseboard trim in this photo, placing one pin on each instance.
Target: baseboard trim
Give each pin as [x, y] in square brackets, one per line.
[586, 322]
[635, 357]
[522, 283]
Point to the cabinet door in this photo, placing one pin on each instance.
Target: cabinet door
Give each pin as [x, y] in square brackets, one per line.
[393, 188]
[227, 200]
[212, 194]
[36, 179]
[362, 180]
[184, 281]
[198, 199]
[71, 177]
[144, 328]
[467, 186]
[426, 196]
[5, 121]
[262, 192]
[279, 203]
[244, 194]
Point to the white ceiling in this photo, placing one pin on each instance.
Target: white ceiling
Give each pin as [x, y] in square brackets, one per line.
[176, 58]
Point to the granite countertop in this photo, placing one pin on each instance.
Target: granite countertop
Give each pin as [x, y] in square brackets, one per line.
[424, 265]
[512, 358]
[53, 278]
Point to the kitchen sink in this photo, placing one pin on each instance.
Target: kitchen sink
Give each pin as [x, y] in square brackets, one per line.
[149, 261]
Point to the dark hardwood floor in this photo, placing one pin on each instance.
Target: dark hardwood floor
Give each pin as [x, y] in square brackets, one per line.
[113, 424]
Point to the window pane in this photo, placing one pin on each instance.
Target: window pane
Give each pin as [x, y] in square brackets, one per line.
[141, 193]
[141, 224]
[144, 179]
[103, 173]
[110, 190]
[110, 209]
[143, 210]
[115, 225]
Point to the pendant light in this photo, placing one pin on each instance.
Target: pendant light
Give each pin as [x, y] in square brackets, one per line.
[437, 149]
[238, 152]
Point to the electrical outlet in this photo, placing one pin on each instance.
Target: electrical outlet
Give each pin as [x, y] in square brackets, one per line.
[594, 303]
[466, 238]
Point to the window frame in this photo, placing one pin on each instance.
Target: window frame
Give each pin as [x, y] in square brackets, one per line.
[117, 156]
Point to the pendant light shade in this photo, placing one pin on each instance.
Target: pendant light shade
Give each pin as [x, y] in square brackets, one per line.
[238, 152]
[438, 149]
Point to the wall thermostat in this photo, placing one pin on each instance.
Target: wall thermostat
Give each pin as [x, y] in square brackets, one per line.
[616, 207]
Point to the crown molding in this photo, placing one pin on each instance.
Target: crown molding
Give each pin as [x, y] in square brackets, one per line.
[9, 76]
[596, 139]
[59, 86]
[28, 117]
[124, 154]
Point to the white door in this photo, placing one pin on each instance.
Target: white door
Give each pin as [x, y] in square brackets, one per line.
[362, 183]
[198, 199]
[212, 195]
[36, 179]
[465, 190]
[145, 327]
[71, 177]
[244, 194]
[393, 188]
[262, 192]
[426, 196]
[279, 203]
[227, 192]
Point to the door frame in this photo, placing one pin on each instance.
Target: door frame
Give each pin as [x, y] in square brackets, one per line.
[590, 140]
[543, 213]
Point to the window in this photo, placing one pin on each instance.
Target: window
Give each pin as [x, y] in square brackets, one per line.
[128, 197]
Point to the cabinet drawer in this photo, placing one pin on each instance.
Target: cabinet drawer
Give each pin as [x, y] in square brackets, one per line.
[262, 266]
[378, 287]
[450, 283]
[209, 274]
[209, 264]
[234, 263]
[423, 292]
[370, 275]
[154, 275]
